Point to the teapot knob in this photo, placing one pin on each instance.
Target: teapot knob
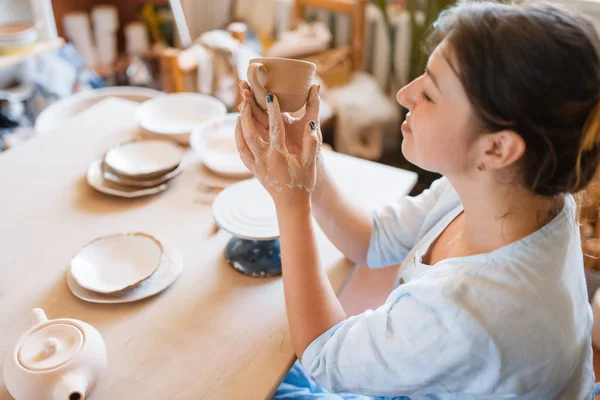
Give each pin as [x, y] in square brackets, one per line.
[50, 346]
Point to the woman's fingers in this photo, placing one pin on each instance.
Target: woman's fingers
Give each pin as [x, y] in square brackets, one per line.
[245, 153]
[313, 104]
[260, 116]
[252, 138]
[310, 143]
[276, 128]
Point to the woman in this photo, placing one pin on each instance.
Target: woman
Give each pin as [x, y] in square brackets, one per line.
[491, 298]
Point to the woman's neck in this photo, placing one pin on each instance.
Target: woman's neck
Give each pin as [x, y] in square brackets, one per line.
[496, 214]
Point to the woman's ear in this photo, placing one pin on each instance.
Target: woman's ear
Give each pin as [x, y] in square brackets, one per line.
[501, 150]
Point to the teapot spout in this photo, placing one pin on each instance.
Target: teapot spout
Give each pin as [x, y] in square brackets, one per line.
[38, 316]
[71, 387]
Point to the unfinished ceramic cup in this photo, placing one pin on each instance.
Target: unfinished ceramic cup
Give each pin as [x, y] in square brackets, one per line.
[289, 80]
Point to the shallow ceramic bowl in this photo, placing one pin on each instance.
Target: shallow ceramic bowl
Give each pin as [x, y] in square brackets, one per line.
[165, 275]
[114, 263]
[214, 141]
[96, 180]
[176, 115]
[144, 159]
[114, 178]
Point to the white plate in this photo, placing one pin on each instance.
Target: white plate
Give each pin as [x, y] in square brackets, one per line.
[117, 262]
[176, 115]
[165, 275]
[214, 141]
[246, 210]
[139, 183]
[60, 112]
[96, 181]
[143, 159]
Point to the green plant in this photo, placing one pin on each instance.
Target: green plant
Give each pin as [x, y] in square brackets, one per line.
[423, 14]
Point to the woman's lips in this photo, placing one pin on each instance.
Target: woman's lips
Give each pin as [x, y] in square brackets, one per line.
[406, 128]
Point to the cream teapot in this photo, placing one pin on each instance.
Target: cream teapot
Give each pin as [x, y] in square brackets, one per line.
[59, 359]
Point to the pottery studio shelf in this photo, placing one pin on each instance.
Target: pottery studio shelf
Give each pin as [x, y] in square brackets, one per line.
[39, 48]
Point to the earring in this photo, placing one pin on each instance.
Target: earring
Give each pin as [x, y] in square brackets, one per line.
[481, 167]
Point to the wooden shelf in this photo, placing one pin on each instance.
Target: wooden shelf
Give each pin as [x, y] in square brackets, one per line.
[39, 48]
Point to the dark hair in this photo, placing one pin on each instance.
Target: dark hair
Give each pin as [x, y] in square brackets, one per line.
[532, 68]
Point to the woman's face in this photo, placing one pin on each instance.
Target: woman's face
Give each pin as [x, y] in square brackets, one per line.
[440, 130]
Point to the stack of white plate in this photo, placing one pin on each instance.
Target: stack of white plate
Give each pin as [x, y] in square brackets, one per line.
[17, 37]
[138, 168]
[174, 116]
[122, 268]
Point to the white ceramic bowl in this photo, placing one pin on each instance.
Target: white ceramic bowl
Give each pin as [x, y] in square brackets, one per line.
[176, 115]
[214, 141]
[114, 263]
[58, 113]
[144, 159]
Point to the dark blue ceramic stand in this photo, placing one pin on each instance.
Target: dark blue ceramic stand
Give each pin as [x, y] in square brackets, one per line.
[257, 258]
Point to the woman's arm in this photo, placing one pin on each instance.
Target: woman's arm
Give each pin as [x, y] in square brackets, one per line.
[347, 226]
[311, 304]
[290, 175]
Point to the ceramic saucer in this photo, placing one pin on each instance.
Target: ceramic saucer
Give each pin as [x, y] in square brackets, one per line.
[139, 183]
[114, 263]
[95, 180]
[165, 275]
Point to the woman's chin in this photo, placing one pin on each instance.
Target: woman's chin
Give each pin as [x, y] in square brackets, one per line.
[408, 152]
[412, 157]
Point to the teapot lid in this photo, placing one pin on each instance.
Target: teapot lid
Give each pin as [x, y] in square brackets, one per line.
[50, 346]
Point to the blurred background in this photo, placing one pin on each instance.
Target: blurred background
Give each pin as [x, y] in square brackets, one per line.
[54, 53]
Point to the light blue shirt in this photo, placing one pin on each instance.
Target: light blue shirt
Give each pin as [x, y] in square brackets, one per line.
[511, 324]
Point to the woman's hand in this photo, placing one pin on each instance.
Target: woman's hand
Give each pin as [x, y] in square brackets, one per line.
[287, 168]
[294, 127]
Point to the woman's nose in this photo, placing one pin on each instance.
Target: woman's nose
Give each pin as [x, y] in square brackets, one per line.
[405, 96]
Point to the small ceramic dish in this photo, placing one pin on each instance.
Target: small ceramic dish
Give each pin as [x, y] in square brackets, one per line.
[214, 141]
[17, 37]
[96, 180]
[176, 115]
[110, 176]
[114, 263]
[246, 210]
[144, 159]
[167, 273]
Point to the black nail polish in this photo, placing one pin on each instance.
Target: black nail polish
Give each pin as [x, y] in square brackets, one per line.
[313, 125]
[270, 98]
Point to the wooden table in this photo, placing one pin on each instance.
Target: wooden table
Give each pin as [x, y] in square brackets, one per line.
[215, 333]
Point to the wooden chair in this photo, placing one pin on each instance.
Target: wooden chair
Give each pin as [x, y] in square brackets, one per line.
[355, 9]
[336, 66]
